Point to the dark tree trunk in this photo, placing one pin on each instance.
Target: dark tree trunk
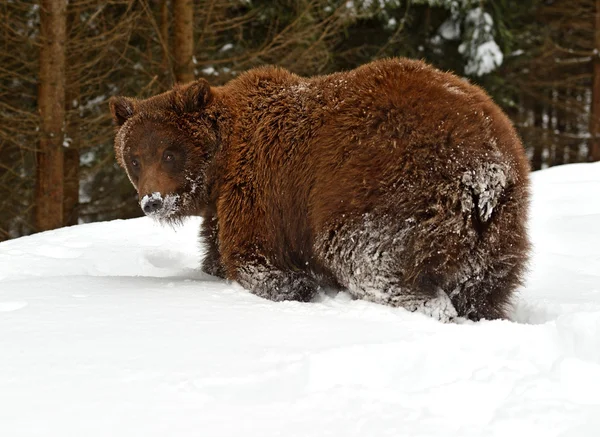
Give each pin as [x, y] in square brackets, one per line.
[594, 149]
[164, 38]
[51, 105]
[183, 42]
[73, 130]
[71, 183]
[571, 127]
[560, 127]
[538, 145]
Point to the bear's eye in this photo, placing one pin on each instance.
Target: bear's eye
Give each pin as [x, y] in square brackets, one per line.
[135, 162]
[169, 156]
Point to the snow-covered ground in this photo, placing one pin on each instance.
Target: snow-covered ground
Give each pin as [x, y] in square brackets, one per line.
[108, 329]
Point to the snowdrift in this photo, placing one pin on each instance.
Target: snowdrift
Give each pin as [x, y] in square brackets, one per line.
[109, 329]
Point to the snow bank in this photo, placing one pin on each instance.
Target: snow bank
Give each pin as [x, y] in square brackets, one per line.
[109, 329]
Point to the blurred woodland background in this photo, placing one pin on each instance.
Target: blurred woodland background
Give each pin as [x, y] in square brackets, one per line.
[60, 62]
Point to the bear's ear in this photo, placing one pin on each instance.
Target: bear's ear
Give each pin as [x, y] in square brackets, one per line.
[122, 108]
[193, 97]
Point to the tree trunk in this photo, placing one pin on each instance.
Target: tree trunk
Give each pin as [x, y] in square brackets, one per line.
[164, 31]
[71, 201]
[73, 130]
[594, 149]
[560, 126]
[51, 104]
[572, 145]
[183, 43]
[71, 163]
[538, 143]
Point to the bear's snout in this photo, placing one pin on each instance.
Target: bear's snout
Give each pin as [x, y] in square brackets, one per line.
[151, 203]
[152, 206]
[160, 207]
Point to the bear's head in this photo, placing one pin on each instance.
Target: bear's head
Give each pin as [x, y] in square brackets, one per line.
[166, 144]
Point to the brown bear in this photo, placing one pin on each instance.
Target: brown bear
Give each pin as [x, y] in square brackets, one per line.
[402, 184]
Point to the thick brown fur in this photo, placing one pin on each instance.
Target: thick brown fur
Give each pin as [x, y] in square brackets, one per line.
[405, 185]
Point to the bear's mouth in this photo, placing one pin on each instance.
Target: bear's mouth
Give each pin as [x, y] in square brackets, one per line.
[158, 207]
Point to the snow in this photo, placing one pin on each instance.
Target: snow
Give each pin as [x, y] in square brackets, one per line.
[487, 183]
[450, 29]
[110, 329]
[210, 70]
[487, 58]
[481, 50]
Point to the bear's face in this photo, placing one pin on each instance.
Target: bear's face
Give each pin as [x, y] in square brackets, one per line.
[166, 144]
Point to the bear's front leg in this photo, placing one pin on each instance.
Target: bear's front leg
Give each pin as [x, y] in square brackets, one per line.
[264, 280]
[209, 232]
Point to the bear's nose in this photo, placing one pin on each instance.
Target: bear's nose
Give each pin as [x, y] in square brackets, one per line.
[151, 204]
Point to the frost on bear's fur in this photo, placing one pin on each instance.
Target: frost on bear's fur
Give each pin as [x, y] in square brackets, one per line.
[402, 184]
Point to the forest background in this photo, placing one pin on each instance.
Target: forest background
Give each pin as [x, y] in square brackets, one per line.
[60, 62]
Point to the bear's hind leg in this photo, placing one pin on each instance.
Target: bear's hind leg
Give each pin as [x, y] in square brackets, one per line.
[487, 294]
[490, 269]
[367, 259]
[431, 301]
